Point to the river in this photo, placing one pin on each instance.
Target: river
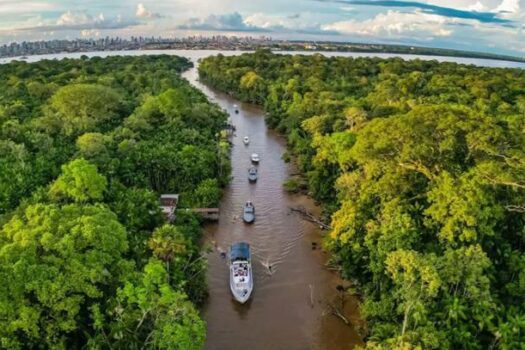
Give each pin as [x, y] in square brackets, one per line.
[290, 307]
[196, 54]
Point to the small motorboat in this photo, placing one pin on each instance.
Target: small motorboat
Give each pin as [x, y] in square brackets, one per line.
[236, 108]
[241, 276]
[248, 213]
[252, 174]
[255, 158]
[246, 140]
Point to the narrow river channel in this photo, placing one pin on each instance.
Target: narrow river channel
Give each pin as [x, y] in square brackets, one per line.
[289, 307]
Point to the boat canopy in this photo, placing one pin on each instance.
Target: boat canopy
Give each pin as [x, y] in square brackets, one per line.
[240, 251]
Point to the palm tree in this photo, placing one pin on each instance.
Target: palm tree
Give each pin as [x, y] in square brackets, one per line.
[167, 242]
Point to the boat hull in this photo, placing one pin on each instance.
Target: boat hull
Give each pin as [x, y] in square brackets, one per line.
[241, 295]
[254, 158]
[241, 275]
[248, 218]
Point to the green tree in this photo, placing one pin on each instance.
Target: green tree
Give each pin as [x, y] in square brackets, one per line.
[421, 165]
[59, 262]
[79, 181]
[91, 144]
[207, 194]
[166, 243]
[82, 107]
[72, 241]
[149, 313]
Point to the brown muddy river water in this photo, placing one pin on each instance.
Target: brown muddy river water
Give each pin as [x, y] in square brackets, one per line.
[289, 306]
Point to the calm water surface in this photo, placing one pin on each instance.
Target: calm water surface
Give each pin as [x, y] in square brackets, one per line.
[196, 54]
[289, 308]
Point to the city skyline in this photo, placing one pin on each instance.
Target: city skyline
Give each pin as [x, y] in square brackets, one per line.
[463, 24]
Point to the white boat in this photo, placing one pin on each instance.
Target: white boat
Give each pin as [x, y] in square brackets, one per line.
[248, 212]
[241, 276]
[252, 174]
[246, 140]
[255, 158]
[236, 108]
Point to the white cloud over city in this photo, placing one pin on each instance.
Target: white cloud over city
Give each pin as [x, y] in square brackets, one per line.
[482, 25]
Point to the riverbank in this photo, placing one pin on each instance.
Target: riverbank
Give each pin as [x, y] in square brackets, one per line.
[236, 44]
[400, 151]
[198, 54]
[106, 260]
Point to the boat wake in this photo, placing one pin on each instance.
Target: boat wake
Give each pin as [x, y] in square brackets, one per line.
[270, 269]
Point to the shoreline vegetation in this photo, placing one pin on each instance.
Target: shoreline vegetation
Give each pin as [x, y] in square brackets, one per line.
[86, 256]
[234, 43]
[421, 166]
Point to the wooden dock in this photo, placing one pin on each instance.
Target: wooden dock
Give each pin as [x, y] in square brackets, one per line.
[211, 214]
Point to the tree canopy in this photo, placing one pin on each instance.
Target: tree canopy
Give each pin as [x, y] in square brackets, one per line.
[58, 261]
[421, 167]
[79, 108]
[86, 257]
[79, 181]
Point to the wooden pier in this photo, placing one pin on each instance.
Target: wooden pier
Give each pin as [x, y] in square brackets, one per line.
[211, 214]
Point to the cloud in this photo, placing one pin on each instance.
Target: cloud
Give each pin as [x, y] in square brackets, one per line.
[348, 9]
[233, 22]
[90, 33]
[511, 10]
[395, 24]
[508, 6]
[272, 22]
[478, 7]
[24, 7]
[142, 12]
[83, 21]
[491, 37]
[72, 19]
[484, 17]
[481, 25]
[299, 23]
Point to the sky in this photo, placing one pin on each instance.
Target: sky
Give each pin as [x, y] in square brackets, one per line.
[496, 26]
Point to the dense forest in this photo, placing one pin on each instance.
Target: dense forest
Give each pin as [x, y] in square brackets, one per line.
[422, 167]
[86, 257]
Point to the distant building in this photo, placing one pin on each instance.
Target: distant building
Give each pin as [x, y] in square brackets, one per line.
[168, 205]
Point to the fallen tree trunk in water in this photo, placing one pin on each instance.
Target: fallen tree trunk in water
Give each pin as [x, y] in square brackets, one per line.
[336, 312]
[310, 217]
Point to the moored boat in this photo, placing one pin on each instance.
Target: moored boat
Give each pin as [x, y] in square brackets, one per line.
[241, 276]
[255, 158]
[248, 214]
[236, 108]
[252, 174]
